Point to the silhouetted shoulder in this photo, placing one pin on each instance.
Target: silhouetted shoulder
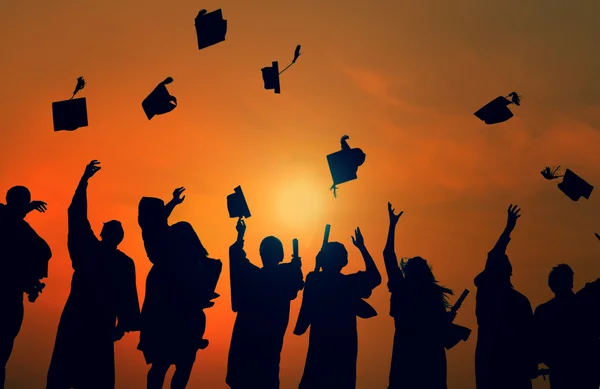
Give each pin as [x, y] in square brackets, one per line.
[543, 308]
[521, 299]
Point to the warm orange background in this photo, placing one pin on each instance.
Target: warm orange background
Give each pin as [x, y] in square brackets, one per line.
[402, 78]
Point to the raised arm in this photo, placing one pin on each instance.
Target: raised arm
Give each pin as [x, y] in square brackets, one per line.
[389, 254]
[78, 217]
[371, 272]
[240, 270]
[176, 200]
[504, 239]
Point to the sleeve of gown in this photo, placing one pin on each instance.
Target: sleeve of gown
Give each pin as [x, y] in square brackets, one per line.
[530, 359]
[80, 234]
[307, 308]
[292, 279]
[541, 337]
[362, 284]
[129, 309]
[241, 273]
[39, 255]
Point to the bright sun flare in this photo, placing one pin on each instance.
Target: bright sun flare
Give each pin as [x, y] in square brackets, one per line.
[301, 202]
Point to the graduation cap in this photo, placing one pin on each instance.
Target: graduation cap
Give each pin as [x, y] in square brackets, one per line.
[236, 204]
[270, 74]
[69, 115]
[572, 185]
[344, 164]
[211, 28]
[497, 111]
[159, 101]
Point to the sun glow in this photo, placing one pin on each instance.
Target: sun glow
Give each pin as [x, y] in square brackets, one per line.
[301, 202]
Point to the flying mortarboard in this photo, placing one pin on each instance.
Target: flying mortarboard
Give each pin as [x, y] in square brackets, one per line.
[211, 28]
[270, 74]
[159, 101]
[344, 164]
[236, 204]
[572, 185]
[69, 115]
[497, 111]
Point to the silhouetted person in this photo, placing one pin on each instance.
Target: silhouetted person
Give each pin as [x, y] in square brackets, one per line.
[103, 303]
[504, 356]
[24, 257]
[330, 304]
[177, 292]
[261, 297]
[568, 331]
[418, 306]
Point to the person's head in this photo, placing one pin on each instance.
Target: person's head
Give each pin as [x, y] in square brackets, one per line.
[271, 251]
[560, 279]
[151, 212]
[334, 257]
[112, 233]
[500, 269]
[18, 199]
[417, 270]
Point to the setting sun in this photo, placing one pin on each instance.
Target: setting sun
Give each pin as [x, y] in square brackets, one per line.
[301, 202]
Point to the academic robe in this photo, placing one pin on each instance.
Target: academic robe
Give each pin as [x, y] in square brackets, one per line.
[179, 287]
[567, 329]
[103, 291]
[330, 306]
[24, 258]
[261, 297]
[421, 322]
[504, 355]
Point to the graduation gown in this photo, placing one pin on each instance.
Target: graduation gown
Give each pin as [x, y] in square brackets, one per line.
[568, 338]
[421, 321]
[103, 291]
[261, 297]
[504, 355]
[330, 306]
[179, 287]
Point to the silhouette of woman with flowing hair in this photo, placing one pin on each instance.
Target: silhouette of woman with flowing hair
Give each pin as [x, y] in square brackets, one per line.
[504, 355]
[330, 305]
[418, 305]
[179, 287]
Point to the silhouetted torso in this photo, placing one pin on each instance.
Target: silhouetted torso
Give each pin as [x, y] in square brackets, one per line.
[103, 290]
[332, 302]
[568, 333]
[504, 357]
[261, 297]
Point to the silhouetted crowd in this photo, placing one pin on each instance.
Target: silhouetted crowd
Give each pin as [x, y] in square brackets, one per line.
[103, 305]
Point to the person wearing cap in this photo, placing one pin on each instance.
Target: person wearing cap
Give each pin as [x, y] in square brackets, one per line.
[179, 287]
[419, 308]
[24, 258]
[568, 336]
[103, 303]
[261, 298]
[331, 302]
[504, 355]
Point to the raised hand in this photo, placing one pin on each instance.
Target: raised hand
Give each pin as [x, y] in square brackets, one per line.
[358, 239]
[240, 228]
[393, 217]
[513, 215]
[177, 198]
[91, 169]
[37, 205]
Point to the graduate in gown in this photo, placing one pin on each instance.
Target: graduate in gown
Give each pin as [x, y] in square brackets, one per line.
[179, 287]
[261, 297]
[24, 258]
[102, 306]
[568, 332]
[330, 305]
[418, 306]
[504, 355]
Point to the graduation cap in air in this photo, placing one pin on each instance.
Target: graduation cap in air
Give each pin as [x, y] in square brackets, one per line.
[270, 74]
[497, 111]
[344, 164]
[572, 185]
[236, 204]
[159, 101]
[69, 115]
[211, 28]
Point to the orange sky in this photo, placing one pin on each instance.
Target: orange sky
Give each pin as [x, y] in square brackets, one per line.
[402, 78]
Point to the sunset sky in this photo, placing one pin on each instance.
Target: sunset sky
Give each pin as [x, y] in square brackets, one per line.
[401, 78]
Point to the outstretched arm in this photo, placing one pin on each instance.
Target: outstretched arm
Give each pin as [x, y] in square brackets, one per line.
[389, 255]
[371, 272]
[511, 222]
[176, 200]
[78, 217]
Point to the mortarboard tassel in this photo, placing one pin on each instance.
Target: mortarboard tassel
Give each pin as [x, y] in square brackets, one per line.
[550, 173]
[80, 85]
[515, 98]
[296, 55]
